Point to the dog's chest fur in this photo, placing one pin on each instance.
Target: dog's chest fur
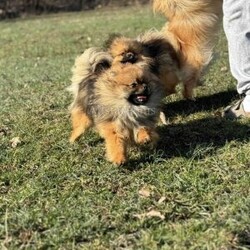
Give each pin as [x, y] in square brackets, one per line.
[125, 114]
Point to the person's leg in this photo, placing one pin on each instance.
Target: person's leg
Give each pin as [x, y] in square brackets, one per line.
[237, 29]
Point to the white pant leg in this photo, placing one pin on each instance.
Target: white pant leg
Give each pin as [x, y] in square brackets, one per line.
[237, 28]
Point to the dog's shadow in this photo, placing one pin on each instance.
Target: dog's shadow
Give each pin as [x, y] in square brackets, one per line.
[204, 103]
[196, 139]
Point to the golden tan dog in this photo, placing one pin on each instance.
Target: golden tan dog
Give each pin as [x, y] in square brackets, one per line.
[191, 29]
[121, 101]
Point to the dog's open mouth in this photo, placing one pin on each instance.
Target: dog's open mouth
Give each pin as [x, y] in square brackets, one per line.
[139, 99]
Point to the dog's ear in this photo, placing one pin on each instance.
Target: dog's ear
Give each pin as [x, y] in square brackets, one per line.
[102, 66]
[156, 47]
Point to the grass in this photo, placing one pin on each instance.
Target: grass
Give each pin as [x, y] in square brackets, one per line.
[57, 196]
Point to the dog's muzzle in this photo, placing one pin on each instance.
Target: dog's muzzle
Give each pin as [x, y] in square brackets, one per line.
[140, 98]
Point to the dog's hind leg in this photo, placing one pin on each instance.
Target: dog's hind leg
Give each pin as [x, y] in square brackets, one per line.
[170, 81]
[192, 66]
[191, 80]
[80, 122]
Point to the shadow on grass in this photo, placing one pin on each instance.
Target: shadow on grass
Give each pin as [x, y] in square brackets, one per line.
[213, 133]
[205, 103]
[196, 140]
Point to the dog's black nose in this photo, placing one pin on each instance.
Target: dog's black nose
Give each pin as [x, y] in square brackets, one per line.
[130, 57]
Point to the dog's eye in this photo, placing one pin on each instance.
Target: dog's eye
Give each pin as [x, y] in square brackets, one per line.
[133, 85]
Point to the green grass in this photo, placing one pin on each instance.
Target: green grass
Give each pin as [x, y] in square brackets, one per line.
[57, 196]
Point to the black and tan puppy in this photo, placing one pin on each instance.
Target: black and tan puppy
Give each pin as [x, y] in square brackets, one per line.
[150, 50]
[121, 102]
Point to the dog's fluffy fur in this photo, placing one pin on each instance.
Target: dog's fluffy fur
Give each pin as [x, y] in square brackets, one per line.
[151, 51]
[121, 101]
[191, 29]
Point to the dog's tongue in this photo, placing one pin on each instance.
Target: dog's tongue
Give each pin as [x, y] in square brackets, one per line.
[141, 98]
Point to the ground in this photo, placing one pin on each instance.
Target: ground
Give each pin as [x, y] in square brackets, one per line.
[191, 192]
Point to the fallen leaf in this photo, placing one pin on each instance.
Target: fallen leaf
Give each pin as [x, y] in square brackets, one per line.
[144, 192]
[162, 199]
[15, 141]
[154, 213]
[150, 214]
[224, 69]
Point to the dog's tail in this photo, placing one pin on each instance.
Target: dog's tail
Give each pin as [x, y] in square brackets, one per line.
[91, 63]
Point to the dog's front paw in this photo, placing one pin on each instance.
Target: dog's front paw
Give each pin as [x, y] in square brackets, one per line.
[143, 136]
[146, 136]
[117, 159]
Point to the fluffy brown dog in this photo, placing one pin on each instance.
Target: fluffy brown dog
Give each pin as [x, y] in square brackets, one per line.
[152, 51]
[191, 29]
[122, 102]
